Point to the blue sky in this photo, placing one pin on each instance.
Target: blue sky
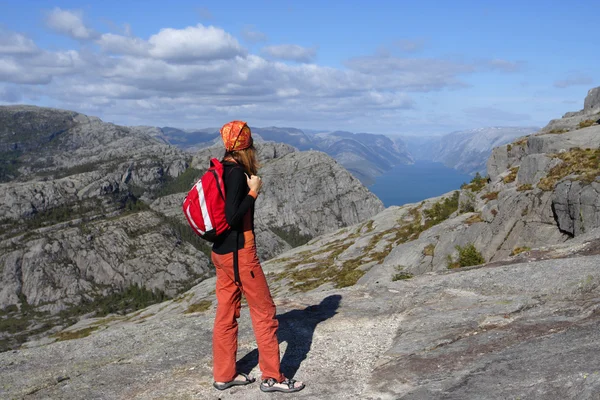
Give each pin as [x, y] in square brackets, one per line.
[389, 67]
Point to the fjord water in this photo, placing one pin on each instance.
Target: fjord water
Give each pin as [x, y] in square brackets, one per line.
[405, 184]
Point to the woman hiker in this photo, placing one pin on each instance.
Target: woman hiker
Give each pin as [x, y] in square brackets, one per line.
[241, 189]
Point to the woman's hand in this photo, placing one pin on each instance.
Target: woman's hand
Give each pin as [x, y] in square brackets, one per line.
[254, 183]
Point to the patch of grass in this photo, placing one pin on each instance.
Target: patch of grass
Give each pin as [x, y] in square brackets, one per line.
[400, 275]
[521, 142]
[511, 176]
[70, 335]
[490, 196]
[477, 183]
[473, 219]
[201, 306]
[321, 270]
[586, 123]
[182, 297]
[468, 255]
[558, 131]
[524, 187]
[429, 250]
[583, 163]
[306, 279]
[368, 226]
[518, 250]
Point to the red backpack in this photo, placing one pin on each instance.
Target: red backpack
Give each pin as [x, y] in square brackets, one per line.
[204, 205]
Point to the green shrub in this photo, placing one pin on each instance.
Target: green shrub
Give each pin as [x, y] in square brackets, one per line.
[78, 169]
[182, 183]
[467, 256]
[400, 274]
[185, 233]
[291, 235]
[9, 165]
[477, 183]
[441, 210]
[130, 299]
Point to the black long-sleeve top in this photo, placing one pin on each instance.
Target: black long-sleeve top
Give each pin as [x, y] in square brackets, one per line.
[237, 203]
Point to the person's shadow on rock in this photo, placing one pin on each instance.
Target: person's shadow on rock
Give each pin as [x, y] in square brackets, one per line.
[297, 328]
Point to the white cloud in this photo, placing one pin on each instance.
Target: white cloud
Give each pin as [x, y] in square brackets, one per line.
[200, 75]
[503, 65]
[15, 43]
[194, 43]
[118, 44]
[574, 79]
[39, 69]
[69, 23]
[413, 74]
[291, 52]
[11, 71]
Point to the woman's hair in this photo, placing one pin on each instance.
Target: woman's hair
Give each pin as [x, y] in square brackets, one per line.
[246, 158]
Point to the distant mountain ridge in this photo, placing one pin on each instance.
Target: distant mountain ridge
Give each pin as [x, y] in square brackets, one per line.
[365, 155]
[368, 155]
[467, 150]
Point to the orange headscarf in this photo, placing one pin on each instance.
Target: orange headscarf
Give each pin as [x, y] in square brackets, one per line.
[236, 135]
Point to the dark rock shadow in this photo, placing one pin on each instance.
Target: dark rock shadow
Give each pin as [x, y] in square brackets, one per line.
[297, 328]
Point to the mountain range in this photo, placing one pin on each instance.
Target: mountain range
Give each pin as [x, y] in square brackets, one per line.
[367, 155]
[466, 151]
[92, 210]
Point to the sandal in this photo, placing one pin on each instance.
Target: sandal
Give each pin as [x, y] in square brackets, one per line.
[222, 386]
[268, 385]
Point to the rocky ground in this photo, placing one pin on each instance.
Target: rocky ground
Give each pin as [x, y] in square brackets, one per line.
[525, 330]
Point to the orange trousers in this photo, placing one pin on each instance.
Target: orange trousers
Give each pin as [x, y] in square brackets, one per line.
[262, 311]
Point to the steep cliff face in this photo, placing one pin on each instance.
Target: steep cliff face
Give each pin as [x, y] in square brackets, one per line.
[90, 210]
